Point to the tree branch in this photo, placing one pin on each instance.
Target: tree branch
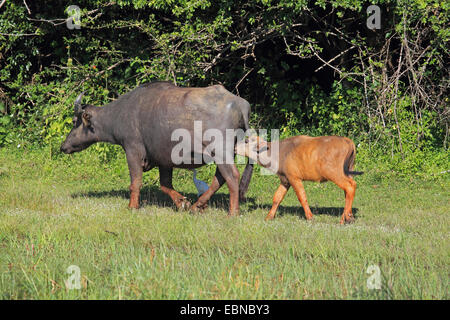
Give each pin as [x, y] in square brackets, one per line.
[26, 6]
[18, 34]
[331, 60]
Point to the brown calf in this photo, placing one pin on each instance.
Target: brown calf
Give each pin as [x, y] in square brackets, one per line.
[327, 158]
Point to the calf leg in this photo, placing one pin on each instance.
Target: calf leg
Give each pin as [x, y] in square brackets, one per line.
[277, 198]
[349, 187]
[301, 195]
[217, 182]
[165, 180]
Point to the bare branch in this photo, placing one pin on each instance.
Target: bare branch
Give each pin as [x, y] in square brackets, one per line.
[242, 79]
[18, 34]
[331, 60]
[26, 6]
[55, 22]
[217, 57]
[253, 39]
[342, 73]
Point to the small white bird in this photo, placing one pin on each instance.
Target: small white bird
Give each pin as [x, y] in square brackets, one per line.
[201, 186]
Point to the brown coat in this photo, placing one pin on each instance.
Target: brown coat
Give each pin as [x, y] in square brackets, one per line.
[327, 158]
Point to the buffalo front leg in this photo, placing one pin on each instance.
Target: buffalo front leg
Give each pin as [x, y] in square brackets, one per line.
[135, 167]
[277, 198]
[165, 179]
[201, 203]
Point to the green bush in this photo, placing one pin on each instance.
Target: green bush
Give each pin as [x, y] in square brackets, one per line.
[305, 67]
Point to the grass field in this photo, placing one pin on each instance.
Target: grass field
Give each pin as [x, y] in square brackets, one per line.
[72, 210]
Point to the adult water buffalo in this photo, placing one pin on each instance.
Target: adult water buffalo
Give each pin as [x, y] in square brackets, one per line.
[143, 121]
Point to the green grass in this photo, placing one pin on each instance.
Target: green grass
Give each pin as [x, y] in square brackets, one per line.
[72, 210]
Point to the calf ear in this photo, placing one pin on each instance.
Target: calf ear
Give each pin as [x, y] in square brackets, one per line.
[262, 146]
[262, 149]
[86, 118]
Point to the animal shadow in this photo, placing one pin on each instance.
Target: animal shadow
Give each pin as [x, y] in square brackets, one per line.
[152, 195]
[299, 211]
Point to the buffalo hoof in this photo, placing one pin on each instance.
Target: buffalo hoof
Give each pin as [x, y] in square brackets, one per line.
[233, 214]
[183, 204]
[134, 203]
[199, 208]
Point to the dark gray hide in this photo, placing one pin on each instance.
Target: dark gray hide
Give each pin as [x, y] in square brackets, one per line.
[142, 122]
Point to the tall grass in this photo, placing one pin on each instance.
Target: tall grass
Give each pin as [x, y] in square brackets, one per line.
[72, 210]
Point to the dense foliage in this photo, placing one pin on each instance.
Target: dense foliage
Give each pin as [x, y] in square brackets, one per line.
[309, 67]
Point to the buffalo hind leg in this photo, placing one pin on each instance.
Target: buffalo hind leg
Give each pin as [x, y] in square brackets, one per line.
[165, 180]
[277, 198]
[231, 175]
[301, 195]
[201, 203]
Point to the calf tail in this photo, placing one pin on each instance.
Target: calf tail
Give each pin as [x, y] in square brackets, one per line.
[350, 162]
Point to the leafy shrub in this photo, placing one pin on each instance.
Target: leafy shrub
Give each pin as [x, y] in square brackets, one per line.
[306, 68]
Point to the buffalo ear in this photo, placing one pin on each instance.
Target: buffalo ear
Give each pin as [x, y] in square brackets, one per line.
[86, 118]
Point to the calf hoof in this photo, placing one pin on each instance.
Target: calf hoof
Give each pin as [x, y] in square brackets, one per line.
[269, 217]
[310, 218]
[348, 220]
